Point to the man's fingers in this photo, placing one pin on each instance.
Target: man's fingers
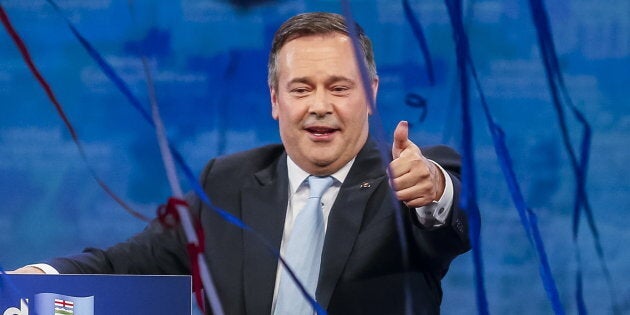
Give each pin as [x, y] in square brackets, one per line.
[413, 179]
[410, 159]
[401, 138]
[415, 197]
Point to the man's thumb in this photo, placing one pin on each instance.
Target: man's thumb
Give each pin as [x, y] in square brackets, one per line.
[401, 138]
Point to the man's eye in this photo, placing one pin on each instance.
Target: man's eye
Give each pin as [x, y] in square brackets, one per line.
[299, 90]
[340, 89]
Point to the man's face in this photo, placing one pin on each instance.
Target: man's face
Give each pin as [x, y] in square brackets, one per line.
[319, 102]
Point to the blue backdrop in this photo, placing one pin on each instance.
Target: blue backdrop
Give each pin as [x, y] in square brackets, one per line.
[208, 61]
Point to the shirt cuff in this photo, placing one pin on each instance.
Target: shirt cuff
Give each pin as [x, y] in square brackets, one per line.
[434, 214]
[46, 268]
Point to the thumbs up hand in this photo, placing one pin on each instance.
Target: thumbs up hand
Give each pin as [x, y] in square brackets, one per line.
[415, 180]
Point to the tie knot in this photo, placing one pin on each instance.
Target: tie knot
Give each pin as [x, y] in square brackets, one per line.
[318, 185]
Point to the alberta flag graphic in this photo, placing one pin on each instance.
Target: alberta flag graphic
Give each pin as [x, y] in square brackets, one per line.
[63, 307]
[57, 304]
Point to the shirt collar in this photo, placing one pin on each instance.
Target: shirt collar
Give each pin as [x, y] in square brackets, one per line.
[297, 175]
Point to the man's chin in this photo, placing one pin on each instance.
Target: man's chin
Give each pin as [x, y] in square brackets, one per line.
[326, 166]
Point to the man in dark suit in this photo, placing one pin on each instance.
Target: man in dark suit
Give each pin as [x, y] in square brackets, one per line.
[379, 256]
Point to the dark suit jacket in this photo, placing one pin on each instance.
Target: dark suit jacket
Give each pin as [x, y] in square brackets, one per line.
[363, 269]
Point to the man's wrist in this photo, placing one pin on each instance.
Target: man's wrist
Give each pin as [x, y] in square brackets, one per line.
[435, 214]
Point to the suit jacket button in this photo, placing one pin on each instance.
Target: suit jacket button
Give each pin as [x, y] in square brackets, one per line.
[460, 226]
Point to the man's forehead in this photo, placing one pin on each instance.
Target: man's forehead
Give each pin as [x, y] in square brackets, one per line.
[314, 50]
[306, 39]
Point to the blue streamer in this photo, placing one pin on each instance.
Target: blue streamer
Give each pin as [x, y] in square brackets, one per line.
[468, 199]
[121, 85]
[378, 132]
[579, 292]
[12, 291]
[559, 93]
[416, 27]
[527, 216]
[6, 285]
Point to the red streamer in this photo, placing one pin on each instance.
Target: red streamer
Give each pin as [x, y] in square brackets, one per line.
[169, 217]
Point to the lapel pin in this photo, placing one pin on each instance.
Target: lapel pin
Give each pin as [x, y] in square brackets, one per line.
[365, 185]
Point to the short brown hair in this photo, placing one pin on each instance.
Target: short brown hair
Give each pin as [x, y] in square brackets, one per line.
[315, 23]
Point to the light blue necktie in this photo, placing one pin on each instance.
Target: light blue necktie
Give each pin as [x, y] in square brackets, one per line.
[304, 252]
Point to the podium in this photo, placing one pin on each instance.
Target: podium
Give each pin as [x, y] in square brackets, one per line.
[94, 295]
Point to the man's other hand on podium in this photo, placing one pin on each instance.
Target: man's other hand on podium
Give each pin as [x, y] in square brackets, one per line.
[27, 270]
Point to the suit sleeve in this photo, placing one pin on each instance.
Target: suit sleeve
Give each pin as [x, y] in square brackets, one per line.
[443, 244]
[156, 250]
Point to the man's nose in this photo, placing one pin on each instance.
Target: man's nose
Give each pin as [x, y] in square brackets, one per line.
[321, 104]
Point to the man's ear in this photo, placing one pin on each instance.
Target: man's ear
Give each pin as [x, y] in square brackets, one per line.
[374, 93]
[274, 103]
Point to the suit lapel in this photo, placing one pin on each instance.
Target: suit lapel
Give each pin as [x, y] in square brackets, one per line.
[346, 218]
[264, 203]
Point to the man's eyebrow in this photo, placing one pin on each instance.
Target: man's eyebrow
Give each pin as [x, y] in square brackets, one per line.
[329, 80]
[304, 80]
[339, 78]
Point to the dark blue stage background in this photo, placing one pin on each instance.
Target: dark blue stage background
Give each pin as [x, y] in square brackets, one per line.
[208, 61]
